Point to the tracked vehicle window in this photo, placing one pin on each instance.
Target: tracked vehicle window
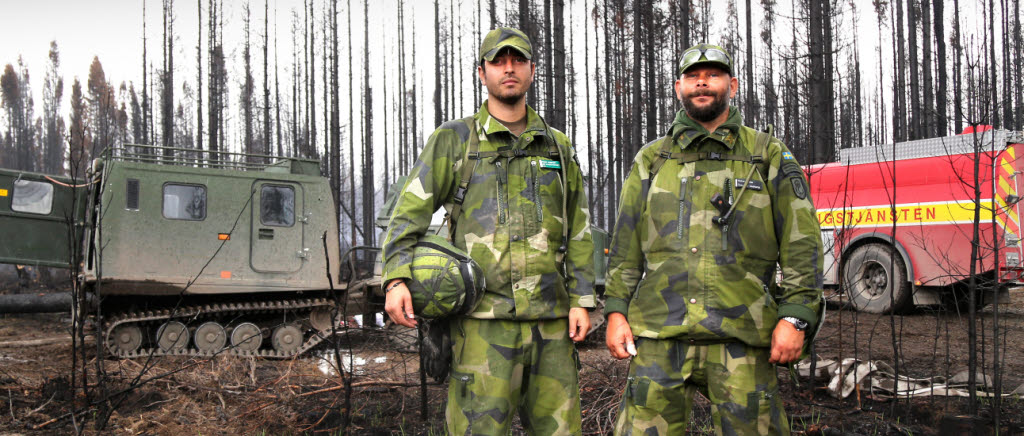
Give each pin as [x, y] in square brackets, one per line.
[277, 205]
[184, 202]
[131, 194]
[32, 197]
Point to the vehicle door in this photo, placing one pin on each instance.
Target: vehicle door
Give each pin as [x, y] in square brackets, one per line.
[278, 219]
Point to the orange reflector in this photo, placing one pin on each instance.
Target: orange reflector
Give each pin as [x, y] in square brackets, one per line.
[917, 283]
[224, 236]
[225, 274]
[605, 251]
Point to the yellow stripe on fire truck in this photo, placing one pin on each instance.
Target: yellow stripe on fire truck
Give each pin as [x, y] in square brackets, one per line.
[950, 212]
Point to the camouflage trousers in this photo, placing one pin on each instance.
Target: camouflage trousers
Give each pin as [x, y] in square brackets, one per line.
[503, 366]
[737, 378]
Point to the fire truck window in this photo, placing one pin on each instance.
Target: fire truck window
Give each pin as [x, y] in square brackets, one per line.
[277, 206]
[184, 202]
[32, 197]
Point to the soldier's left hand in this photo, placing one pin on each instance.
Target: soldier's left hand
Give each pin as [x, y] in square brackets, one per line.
[579, 323]
[787, 343]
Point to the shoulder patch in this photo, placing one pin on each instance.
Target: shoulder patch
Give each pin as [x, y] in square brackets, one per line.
[799, 188]
[791, 168]
[787, 156]
[460, 128]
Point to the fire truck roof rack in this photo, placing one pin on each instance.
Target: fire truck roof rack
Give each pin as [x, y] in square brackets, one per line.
[943, 146]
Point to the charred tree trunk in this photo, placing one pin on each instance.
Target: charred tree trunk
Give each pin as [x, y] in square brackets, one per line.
[559, 67]
[247, 87]
[335, 136]
[167, 91]
[437, 66]
[352, 131]
[899, 109]
[941, 110]
[368, 185]
[915, 90]
[199, 76]
[928, 107]
[266, 79]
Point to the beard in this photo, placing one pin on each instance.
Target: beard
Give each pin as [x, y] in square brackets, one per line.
[508, 96]
[711, 110]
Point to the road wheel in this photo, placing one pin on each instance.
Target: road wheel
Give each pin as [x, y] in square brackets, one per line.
[876, 279]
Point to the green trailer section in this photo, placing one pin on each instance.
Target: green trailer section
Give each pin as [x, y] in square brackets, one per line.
[37, 215]
[167, 226]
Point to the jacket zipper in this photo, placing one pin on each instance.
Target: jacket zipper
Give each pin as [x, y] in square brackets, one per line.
[536, 192]
[501, 192]
[682, 207]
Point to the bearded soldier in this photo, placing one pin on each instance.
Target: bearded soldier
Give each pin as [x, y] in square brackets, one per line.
[514, 193]
[706, 214]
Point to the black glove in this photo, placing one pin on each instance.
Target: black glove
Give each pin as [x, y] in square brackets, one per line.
[436, 348]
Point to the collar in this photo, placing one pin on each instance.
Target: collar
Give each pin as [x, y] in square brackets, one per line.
[688, 131]
[491, 125]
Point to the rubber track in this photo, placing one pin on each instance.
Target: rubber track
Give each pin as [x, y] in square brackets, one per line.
[214, 311]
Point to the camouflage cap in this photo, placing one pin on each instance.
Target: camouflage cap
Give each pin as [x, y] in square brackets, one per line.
[705, 54]
[502, 37]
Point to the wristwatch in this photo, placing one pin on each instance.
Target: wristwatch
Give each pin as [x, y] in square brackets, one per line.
[800, 324]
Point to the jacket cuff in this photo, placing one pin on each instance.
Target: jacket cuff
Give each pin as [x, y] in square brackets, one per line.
[799, 311]
[585, 301]
[400, 272]
[613, 305]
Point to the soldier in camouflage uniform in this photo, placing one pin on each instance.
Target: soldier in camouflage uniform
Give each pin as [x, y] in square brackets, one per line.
[515, 351]
[705, 215]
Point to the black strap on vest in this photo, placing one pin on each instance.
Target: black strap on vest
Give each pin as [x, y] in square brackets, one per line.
[760, 145]
[509, 152]
[468, 168]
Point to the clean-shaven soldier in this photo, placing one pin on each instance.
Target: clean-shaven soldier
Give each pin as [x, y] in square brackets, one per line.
[522, 216]
[704, 217]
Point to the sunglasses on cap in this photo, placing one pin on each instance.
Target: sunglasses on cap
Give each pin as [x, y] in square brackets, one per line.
[693, 55]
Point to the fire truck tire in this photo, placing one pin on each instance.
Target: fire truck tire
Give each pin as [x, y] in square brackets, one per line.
[876, 279]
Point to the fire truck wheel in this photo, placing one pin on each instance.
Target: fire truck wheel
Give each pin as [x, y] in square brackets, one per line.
[876, 279]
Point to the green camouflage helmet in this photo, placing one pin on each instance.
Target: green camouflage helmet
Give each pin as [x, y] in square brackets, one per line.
[445, 280]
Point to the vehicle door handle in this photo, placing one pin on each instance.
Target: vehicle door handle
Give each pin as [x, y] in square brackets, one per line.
[266, 234]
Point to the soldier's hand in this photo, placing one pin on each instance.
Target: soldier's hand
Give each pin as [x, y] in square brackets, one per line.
[398, 305]
[619, 337]
[787, 343]
[579, 323]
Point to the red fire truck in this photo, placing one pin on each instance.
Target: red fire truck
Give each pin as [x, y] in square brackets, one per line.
[898, 220]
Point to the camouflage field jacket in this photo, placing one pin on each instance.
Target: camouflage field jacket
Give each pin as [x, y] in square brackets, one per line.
[675, 273]
[511, 218]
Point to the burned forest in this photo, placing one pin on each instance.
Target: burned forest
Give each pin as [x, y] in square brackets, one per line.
[192, 229]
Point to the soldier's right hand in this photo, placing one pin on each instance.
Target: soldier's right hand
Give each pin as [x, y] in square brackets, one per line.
[619, 337]
[398, 305]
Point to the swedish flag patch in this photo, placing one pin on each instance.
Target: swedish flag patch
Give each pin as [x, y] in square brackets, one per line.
[787, 156]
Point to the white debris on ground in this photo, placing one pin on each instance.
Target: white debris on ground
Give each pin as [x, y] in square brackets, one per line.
[353, 363]
[878, 378]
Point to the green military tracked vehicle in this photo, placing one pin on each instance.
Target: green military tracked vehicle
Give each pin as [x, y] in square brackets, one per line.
[186, 254]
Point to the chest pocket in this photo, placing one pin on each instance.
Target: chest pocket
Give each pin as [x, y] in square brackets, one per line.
[670, 207]
[544, 185]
